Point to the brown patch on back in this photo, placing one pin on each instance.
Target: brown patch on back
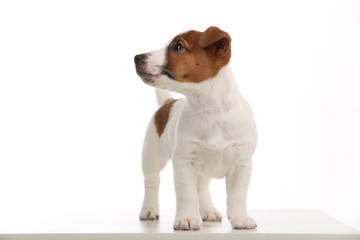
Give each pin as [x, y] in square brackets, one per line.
[204, 54]
[162, 116]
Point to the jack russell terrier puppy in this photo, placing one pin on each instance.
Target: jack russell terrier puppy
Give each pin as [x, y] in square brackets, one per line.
[208, 134]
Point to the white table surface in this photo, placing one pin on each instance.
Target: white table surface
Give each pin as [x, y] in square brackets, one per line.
[272, 224]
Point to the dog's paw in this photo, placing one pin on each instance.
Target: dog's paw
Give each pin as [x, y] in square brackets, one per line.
[149, 214]
[190, 223]
[243, 223]
[211, 216]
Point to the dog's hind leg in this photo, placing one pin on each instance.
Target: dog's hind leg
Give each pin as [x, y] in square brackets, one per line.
[152, 163]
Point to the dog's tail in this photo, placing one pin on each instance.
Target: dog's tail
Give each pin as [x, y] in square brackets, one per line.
[162, 96]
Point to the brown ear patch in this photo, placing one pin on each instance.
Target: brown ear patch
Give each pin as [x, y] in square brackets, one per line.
[162, 116]
[218, 42]
[211, 36]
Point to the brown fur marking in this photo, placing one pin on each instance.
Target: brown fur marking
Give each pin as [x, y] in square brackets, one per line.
[204, 54]
[162, 116]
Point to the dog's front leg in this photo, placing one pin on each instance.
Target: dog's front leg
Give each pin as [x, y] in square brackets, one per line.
[187, 200]
[237, 183]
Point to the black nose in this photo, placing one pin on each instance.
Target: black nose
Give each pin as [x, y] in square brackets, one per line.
[139, 58]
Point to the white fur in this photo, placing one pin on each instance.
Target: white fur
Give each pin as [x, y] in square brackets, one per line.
[162, 96]
[156, 59]
[210, 134]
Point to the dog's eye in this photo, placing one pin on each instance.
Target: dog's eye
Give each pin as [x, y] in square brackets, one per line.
[178, 46]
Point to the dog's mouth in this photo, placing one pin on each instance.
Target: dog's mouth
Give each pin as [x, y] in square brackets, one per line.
[147, 78]
[167, 73]
[142, 73]
[146, 75]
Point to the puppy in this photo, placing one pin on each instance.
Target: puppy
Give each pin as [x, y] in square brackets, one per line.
[208, 134]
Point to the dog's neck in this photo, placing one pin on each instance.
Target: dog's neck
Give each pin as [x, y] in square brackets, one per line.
[218, 94]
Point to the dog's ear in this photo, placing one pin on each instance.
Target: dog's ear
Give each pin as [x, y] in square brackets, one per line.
[217, 41]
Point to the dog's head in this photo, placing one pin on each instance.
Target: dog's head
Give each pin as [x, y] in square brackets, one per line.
[190, 57]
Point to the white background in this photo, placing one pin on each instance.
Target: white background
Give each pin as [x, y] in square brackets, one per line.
[73, 112]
